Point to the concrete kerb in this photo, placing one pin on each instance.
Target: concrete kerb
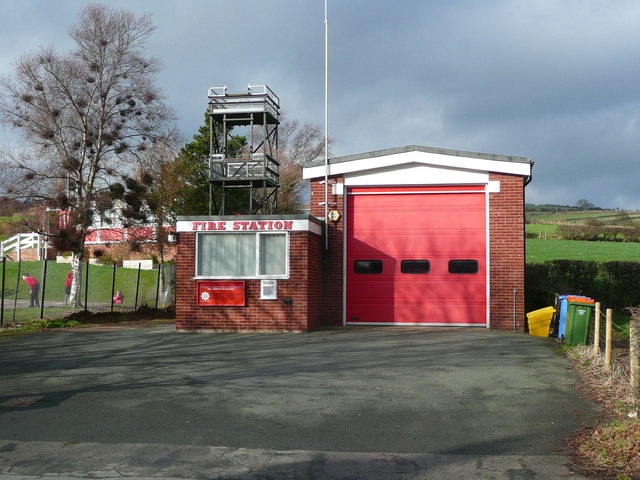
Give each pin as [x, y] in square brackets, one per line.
[140, 461]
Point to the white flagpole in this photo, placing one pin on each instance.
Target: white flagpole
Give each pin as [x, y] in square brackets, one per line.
[326, 125]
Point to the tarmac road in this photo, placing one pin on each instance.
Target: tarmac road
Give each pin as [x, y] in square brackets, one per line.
[347, 403]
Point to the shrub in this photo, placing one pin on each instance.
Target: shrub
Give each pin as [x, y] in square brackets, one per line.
[572, 276]
[612, 283]
[623, 279]
[594, 232]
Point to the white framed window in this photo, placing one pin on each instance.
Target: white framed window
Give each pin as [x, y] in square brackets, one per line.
[242, 255]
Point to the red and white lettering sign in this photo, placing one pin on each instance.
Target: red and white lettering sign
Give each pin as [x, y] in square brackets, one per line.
[221, 293]
[277, 225]
[243, 225]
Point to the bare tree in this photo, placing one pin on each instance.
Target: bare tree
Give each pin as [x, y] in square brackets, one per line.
[299, 144]
[84, 117]
[144, 201]
[584, 204]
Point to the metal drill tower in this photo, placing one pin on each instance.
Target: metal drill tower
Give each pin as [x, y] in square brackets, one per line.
[254, 167]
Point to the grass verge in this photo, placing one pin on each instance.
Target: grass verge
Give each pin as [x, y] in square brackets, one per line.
[143, 316]
[610, 449]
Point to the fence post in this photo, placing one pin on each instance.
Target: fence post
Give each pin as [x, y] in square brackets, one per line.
[113, 285]
[44, 287]
[596, 331]
[607, 349]
[135, 305]
[86, 287]
[15, 298]
[160, 266]
[634, 340]
[4, 266]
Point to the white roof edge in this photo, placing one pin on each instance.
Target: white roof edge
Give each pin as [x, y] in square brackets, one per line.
[442, 158]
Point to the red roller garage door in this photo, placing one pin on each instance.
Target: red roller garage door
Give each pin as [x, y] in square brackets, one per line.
[416, 256]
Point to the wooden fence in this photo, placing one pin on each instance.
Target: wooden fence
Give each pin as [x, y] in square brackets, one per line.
[608, 340]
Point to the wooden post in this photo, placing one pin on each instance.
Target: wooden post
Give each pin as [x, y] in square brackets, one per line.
[634, 340]
[607, 351]
[596, 331]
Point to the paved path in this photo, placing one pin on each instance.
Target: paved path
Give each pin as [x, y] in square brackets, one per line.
[332, 404]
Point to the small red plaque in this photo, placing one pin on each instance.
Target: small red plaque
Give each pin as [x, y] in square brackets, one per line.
[221, 293]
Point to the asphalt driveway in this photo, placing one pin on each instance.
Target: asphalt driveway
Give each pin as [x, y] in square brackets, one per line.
[346, 403]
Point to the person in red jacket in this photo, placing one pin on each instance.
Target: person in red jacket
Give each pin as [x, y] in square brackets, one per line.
[34, 288]
[67, 287]
[118, 297]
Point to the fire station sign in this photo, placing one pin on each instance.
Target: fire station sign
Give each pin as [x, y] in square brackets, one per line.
[221, 293]
[245, 224]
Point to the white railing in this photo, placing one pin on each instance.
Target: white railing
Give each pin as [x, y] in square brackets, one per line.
[23, 241]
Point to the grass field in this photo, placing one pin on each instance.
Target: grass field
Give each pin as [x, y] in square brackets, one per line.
[100, 282]
[9, 226]
[541, 244]
[540, 250]
[541, 230]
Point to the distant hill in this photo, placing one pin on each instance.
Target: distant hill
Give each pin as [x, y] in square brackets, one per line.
[564, 214]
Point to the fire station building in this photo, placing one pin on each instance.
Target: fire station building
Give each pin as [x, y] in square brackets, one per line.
[410, 236]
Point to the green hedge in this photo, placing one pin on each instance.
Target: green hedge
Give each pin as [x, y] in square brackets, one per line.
[615, 284]
[593, 233]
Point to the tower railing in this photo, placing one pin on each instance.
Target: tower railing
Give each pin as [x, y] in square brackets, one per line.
[254, 166]
[258, 99]
[260, 166]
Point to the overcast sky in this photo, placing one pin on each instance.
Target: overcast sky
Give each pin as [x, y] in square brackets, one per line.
[556, 81]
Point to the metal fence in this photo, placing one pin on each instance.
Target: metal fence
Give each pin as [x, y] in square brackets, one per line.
[103, 288]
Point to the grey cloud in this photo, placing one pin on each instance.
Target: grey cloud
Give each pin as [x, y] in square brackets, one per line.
[556, 81]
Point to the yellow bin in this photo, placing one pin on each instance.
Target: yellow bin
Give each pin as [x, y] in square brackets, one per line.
[540, 321]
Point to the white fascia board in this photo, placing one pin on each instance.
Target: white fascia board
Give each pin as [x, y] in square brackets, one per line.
[416, 174]
[427, 158]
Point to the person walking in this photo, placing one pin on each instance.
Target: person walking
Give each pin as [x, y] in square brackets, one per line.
[34, 288]
[67, 287]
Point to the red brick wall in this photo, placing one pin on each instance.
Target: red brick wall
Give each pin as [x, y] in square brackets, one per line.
[316, 283]
[506, 237]
[333, 257]
[303, 288]
[28, 255]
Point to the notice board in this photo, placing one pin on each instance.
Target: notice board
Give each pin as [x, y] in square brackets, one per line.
[221, 293]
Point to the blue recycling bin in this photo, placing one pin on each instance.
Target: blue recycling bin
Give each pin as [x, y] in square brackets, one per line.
[562, 315]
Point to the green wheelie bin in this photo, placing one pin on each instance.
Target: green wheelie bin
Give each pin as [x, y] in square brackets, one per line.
[579, 313]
